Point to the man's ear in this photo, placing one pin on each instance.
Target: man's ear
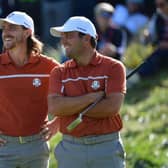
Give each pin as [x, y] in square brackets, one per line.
[28, 33]
[97, 37]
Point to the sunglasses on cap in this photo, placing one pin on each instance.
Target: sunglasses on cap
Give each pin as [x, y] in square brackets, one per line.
[106, 14]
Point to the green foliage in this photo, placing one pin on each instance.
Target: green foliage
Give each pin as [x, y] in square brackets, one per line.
[136, 53]
[52, 52]
[145, 123]
[53, 142]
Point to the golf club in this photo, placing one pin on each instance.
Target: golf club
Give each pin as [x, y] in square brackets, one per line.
[135, 70]
[78, 120]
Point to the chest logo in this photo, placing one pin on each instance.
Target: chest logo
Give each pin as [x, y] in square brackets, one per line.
[95, 85]
[36, 82]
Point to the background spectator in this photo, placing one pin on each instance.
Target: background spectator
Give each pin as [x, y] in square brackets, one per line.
[49, 12]
[130, 17]
[158, 34]
[110, 37]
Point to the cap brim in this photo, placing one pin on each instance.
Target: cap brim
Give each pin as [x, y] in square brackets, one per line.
[6, 20]
[56, 31]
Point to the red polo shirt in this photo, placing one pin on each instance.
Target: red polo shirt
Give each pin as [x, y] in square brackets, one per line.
[23, 100]
[103, 73]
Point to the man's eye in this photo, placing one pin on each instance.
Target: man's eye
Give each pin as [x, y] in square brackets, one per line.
[69, 35]
[12, 28]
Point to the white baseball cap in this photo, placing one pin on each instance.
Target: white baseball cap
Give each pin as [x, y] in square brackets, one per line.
[19, 18]
[75, 23]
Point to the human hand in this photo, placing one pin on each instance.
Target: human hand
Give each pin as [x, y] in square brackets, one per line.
[93, 96]
[2, 141]
[50, 129]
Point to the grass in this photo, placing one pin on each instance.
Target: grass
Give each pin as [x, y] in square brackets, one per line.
[145, 123]
[53, 142]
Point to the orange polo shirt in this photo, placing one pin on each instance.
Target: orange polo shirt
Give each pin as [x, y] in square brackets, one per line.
[103, 73]
[23, 100]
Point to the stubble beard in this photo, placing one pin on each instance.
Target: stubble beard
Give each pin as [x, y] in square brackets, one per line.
[12, 44]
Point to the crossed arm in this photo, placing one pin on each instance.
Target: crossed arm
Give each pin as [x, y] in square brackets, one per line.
[64, 106]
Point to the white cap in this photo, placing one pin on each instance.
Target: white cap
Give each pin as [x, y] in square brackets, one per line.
[75, 23]
[19, 18]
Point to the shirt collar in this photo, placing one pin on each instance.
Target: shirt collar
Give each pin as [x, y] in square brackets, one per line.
[5, 58]
[96, 59]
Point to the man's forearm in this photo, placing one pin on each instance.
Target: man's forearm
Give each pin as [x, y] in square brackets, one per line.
[107, 107]
[64, 106]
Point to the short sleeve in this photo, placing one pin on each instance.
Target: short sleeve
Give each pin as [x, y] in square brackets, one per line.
[116, 81]
[55, 83]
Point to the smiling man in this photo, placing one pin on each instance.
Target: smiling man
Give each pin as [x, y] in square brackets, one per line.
[24, 75]
[78, 83]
